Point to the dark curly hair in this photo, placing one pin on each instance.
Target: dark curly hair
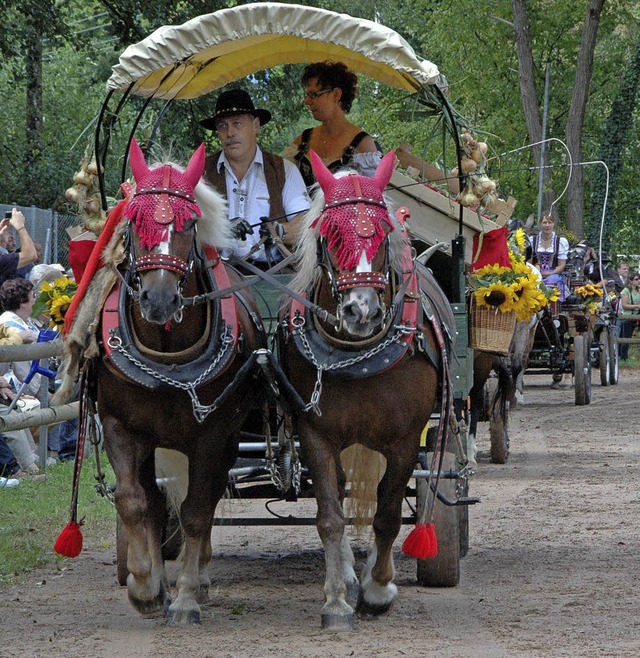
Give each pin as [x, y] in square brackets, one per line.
[334, 75]
[14, 292]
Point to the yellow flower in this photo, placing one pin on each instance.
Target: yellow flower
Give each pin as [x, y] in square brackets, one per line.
[59, 306]
[554, 295]
[530, 299]
[491, 270]
[496, 295]
[520, 240]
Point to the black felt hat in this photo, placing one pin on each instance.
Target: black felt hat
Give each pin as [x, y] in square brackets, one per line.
[233, 102]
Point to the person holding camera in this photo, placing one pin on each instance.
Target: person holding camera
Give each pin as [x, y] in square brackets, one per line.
[10, 262]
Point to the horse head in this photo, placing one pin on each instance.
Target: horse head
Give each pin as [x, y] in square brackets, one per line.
[353, 228]
[162, 216]
[579, 254]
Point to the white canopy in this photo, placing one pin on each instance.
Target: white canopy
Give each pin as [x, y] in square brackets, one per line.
[207, 52]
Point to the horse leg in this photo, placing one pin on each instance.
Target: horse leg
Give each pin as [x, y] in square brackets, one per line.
[378, 589]
[147, 584]
[476, 401]
[336, 614]
[206, 487]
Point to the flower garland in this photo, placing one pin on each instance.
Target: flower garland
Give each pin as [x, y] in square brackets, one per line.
[54, 300]
[517, 288]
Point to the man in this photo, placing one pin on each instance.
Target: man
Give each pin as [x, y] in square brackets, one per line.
[258, 185]
[10, 262]
[622, 268]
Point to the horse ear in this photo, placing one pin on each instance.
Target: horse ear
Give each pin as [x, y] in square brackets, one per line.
[324, 177]
[195, 168]
[137, 162]
[529, 223]
[385, 169]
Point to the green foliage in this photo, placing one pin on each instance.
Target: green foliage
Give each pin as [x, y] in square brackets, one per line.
[33, 514]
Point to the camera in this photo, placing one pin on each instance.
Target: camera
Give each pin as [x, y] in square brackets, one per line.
[8, 214]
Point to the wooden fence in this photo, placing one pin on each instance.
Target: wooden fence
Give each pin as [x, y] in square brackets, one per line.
[44, 416]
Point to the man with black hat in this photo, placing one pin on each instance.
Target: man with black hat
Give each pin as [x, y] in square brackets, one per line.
[258, 185]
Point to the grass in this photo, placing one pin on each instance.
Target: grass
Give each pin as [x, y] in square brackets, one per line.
[33, 514]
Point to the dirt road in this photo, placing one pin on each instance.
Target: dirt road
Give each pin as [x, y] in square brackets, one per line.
[552, 569]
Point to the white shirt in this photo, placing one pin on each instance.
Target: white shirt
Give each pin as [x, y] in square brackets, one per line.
[249, 200]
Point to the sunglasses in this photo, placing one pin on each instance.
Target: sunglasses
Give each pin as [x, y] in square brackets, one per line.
[312, 95]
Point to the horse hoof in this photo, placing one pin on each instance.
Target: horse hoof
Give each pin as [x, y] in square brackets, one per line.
[365, 609]
[337, 623]
[151, 608]
[183, 617]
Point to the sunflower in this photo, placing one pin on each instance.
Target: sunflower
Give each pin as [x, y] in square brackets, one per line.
[59, 306]
[530, 297]
[491, 271]
[496, 295]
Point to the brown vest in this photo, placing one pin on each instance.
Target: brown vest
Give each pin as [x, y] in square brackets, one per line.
[274, 177]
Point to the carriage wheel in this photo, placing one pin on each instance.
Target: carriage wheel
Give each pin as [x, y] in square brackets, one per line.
[582, 369]
[614, 357]
[498, 427]
[605, 357]
[122, 546]
[443, 570]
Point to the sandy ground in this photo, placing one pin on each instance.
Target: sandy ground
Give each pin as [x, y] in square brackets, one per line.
[552, 569]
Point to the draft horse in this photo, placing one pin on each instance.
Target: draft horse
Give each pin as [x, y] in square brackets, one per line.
[169, 375]
[372, 376]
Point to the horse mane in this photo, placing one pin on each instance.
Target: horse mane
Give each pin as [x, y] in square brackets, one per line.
[306, 243]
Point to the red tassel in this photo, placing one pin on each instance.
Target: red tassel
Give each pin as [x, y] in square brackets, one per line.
[69, 542]
[421, 542]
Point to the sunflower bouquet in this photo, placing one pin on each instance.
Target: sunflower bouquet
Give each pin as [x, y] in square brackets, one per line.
[516, 288]
[54, 300]
[590, 297]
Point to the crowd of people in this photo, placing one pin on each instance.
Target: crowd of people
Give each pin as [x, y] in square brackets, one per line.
[20, 278]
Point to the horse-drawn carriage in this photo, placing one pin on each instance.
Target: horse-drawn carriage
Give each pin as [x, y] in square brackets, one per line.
[576, 335]
[270, 414]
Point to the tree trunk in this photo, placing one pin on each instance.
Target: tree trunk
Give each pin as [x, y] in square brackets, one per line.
[33, 66]
[575, 120]
[528, 93]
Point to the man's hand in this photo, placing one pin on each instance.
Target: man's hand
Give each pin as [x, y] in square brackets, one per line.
[240, 229]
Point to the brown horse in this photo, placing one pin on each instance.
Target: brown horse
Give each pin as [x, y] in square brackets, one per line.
[372, 378]
[167, 376]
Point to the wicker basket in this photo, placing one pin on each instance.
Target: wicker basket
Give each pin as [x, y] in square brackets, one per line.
[491, 330]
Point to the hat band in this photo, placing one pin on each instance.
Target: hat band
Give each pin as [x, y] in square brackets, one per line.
[236, 110]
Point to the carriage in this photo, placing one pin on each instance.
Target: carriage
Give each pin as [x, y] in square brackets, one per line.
[177, 64]
[571, 339]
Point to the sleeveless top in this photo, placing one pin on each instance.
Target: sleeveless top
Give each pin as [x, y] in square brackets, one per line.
[304, 164]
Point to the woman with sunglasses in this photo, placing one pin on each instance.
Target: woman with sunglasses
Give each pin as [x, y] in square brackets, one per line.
[329, 91]
[630, 301]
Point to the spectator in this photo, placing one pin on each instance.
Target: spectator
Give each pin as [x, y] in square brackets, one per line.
[25, 272]
[630, 301]
[256, 184]
[9, 263]
[622, 268]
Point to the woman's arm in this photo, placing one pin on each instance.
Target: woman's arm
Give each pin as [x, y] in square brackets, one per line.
[626, 302]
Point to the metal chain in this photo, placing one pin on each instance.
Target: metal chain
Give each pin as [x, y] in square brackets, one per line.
[200, 411]
[298, 323]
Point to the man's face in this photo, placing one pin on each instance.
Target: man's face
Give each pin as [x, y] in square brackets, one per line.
[10, 243]
[623, 270]
[238, 135]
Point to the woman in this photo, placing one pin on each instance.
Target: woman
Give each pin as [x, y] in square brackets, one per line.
[630, 301]
[551, 251]
[17, 298]
[329, 91]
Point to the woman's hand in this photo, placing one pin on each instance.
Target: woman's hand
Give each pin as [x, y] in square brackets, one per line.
[28, 336]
